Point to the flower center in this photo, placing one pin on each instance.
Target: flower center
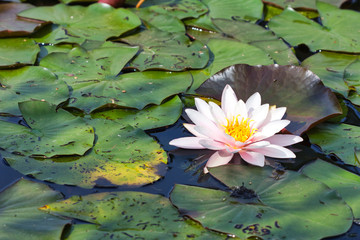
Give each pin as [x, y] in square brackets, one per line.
[240, 130]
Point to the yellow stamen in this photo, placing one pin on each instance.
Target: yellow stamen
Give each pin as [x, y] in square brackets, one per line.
[240, 130]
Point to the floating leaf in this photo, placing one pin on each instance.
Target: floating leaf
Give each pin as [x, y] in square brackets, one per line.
[11, 26]
[95, 22]
[340, 139]
[330, 67]
[120, 156]
[336, 34]
[299, 90]
[128, 215]
[163, 50]
[19, 214]
[148, 118]
[302, 4]
[52, 132]
[226, 53]
[17, 52]
[162, 21]
[235, 9]
[265, 204]
[79, 65]
[259, 37]
[93, 77]
[345, 182]
[29, 83]
[180, 9]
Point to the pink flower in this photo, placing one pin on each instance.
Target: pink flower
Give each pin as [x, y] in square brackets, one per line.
[237, 127]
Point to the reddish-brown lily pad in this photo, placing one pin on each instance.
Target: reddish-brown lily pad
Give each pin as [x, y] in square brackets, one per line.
[307, 100]
[11, 25]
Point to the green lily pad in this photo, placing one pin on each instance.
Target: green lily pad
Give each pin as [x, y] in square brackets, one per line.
[302, 4]
[265, 204]
[128, 215]
[11, 26]
[235, 9]
[259, 37]
[338, 71]
[340, 139]
[149, 88]
[330, 67]
[19, 214]
[95, 22]
[228, 52]
[54, 34]
[29, 83]
[17, 52]
[180, 9]
[162, 21]
[344, 182]
[151, 117]
[336, 34]
[307, 100]
[93, 77]
[121, 156]
[163, 50]
[273, 10]
[52, 132]
[79, 65]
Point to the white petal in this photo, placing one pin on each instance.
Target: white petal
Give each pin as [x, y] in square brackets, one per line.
[203, 108]
[191, 128]
[187, 142]
[257, 145]
[219, 158]
[269, 130]
[216, 134]
[284, 139]
[259, 115]
[211, 144]
[277, 113]
[275, 151]
[218, 114]
[228, 101]
[199, 119]
[254, 101]
[241, 109]
[253, 158]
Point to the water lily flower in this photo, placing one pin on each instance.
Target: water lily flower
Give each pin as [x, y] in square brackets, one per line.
[247, 128]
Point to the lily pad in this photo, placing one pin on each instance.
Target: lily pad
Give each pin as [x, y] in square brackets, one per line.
[235, 9]
[228, 52]
[121, 156]
[307, 100]
[302, 4]
[151, 117]
[93, 77]
[265, 204]
[163, 50]
[180, 9]
[259, 37]
[11, 26]
[339, 139]
[336, 34]
[29, 83]
[52, 132]
[95, 22]
[344, 182]
[17, 52]
[149, 88]
[79, 65]
[330, 67]
[128, 215]
[162, 21]
[19, 214]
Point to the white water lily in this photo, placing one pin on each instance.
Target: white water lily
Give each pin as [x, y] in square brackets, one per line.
[237, 127]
